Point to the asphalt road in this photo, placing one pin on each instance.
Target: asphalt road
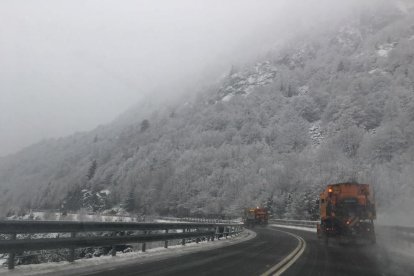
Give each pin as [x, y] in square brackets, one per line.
[256, 256]
[348, 259]
[252, 257]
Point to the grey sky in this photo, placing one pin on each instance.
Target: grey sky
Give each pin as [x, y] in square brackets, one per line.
[70, 65]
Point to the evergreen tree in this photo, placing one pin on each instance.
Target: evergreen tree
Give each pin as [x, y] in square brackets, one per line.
[72, 200]
[92, 170]
[145, 125]
[129, 203]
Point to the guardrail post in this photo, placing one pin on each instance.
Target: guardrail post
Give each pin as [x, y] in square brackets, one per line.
[198, 238]
[183, 240]
[166, 241]
[144, 245]
[12, 255]
[72, 250]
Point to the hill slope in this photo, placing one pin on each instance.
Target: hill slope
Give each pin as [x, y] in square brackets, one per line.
[336, 106]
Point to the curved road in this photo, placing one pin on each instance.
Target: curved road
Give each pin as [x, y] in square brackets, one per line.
[252, 257]
[258, 255]
[348, 259]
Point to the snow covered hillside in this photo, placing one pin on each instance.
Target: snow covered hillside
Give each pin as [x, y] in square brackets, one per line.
[337, 106]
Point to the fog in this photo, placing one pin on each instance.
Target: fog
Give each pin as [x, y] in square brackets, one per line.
[69, 65]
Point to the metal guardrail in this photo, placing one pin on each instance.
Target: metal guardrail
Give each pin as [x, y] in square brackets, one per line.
[301, 223]
[403, 233]
[27, 227]
[121, 233]
[206, 220]
[402, 229]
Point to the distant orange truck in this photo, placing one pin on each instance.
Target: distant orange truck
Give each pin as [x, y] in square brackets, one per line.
[255, 216]
[347, 212]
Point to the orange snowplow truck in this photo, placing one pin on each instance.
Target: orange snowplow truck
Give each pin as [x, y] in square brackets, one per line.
[255, 216]
[347, 212]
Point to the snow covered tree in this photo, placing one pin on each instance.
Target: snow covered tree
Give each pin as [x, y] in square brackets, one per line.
[92, 170]
[73, 199]
[129, 203]
[145, 125]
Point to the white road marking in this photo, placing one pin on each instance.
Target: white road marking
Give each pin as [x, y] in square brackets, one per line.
[289, 260]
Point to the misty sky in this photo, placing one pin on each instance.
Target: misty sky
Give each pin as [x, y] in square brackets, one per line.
[70, 65]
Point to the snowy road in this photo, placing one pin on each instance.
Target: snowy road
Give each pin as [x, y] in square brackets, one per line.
[256, 256]
[341, 259]
[252, 257]
[271, 246]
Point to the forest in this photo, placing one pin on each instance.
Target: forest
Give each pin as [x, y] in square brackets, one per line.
[336, 105]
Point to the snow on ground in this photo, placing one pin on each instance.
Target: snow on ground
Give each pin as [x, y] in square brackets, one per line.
[303, 90]
[227, 98]
[43, 215]
[377, 71]
[384, 49]
[195, 220]
[106, 192]
[295, 227]
[245, 81]
[315, 133]
[105, 263]
[171, 221]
